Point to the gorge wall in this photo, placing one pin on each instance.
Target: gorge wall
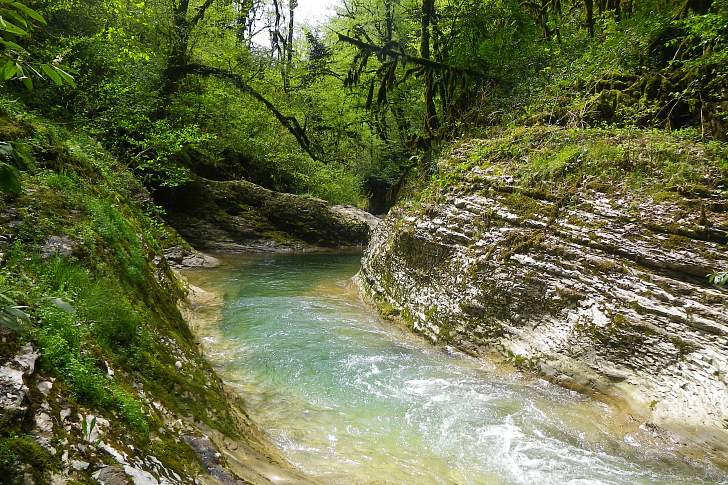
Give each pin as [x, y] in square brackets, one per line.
[536, 246]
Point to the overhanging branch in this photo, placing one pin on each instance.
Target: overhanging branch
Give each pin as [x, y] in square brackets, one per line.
[385, 52]
[289, 122]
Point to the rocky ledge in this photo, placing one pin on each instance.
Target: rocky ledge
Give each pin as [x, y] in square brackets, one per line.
[240, 216]
[596, 288]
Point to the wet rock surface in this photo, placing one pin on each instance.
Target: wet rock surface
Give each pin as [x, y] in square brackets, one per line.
[602, 293]
[183, 258]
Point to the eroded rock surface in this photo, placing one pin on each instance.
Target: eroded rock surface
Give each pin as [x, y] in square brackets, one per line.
[14, 393]
[239, 216]
[604, 294]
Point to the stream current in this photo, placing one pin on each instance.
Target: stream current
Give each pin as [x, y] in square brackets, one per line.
[352, 399]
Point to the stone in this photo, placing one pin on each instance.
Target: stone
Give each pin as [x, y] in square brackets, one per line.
[64, 414]
[112, 475]
[58, 246]
[44, 424]
[45, 387]
[79, 465]
[238, 216]
[58, 479]
[109, 370]
[210, 458]
[13, 391]
[184, 258]
[93, 427]
[178, 365]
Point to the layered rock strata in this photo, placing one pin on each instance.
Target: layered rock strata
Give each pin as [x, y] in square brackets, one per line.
[601, 292]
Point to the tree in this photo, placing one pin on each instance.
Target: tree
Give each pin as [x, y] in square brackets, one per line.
[184, 19]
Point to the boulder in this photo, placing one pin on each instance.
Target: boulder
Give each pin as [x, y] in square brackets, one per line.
[238, 216]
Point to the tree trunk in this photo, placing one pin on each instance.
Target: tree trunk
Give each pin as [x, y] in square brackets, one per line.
[292, 4]
[428, 11]
[177, 58]
[589, 6]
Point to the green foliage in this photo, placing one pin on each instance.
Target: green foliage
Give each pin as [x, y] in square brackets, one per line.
[62, 337]
[162, 150]
[719, 278]
[108, 231]
[16, 21]
[9, 179]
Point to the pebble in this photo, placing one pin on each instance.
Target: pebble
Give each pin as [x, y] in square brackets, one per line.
[79, 465]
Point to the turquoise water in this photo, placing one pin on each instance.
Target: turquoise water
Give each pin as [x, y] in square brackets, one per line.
[352, 399]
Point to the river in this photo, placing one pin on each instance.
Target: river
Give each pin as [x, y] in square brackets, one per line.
[352, 399]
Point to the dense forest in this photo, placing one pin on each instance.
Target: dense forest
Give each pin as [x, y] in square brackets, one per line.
[355, 108]
[120, 119]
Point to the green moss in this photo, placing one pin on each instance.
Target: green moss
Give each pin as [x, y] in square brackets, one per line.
[387, 310]
[175, 455]
[554, 160]
[611, 159]
[522, 362]
[21, 454]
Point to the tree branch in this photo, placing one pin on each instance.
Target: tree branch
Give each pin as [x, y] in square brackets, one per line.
[289, 122]
[201, 12]
[383, 52]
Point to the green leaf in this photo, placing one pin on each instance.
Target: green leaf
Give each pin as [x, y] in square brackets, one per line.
[29, 12]
[9, 179]
[8, 70]
[52, 74]
[12, 28]
[67, 78]
[16, 19]
[13, 46]
[28, 83]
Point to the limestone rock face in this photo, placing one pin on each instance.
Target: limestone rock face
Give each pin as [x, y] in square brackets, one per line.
[237, 216]
[14, 392]
[606, 294]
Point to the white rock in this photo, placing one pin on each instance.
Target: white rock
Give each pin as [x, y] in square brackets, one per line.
[109, 370]
[44, 423]
[94, 427]
[13, 391]
[45, 387]
[79, 465]
[178, 365]
[65, 413]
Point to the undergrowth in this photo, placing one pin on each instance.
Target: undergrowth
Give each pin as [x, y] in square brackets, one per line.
[80, 262]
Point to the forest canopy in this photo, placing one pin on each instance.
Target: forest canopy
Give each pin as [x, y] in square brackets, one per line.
[353, 109]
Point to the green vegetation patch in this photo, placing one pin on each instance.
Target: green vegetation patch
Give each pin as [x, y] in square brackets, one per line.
[552, 159]
[80, 264]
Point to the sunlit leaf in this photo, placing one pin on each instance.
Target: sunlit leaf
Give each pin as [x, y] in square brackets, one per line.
[8, 70]
[67, 78]
[29, 12]
[52, 74]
